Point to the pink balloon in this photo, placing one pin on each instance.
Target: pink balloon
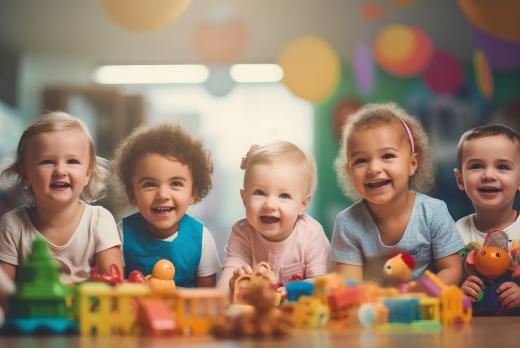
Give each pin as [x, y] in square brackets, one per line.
[444, 74]
[363, 64]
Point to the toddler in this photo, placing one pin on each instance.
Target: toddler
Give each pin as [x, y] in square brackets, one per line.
[384, 160]
[164, 170]
[279, 180]
[57, 167]
[489, 172]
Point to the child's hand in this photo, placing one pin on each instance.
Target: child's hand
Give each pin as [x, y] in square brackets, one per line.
[509, 295]
[245, 269]
[472, 286]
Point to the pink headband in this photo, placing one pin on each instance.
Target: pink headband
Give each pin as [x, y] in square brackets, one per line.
[250, 152]
[410, 136]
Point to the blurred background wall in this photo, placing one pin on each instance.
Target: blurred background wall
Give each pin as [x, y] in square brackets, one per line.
[452, 64]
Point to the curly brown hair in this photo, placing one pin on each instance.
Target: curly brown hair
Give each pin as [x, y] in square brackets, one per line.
[168, 140]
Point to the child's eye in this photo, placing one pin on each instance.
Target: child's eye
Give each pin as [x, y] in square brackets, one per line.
[475, 166]
[503, 167]
[388, 156]
[148, 184]
[285, 196]
[177, 183]
[359, 161]
[258, 193]
[46, 161]
[73, 161]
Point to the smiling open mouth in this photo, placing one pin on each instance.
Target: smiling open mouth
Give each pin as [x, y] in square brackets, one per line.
[60, 185]
[269, 219]
[377, 184]
[489, 189]
[162, 210]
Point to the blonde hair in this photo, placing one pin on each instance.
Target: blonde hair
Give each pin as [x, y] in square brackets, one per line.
[171, 141]
[374, 115]
[53, 122]
[283, 150]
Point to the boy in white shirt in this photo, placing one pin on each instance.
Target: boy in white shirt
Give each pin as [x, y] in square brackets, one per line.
[489, 173]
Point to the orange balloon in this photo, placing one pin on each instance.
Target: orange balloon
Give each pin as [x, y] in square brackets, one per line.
[144, 15]
[491, 262]
[498, 18]
[403, 51]
[221, 43]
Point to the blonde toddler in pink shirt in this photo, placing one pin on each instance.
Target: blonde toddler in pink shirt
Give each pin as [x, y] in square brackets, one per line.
[279, 180]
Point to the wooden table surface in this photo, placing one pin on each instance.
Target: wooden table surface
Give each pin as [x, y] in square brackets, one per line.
[489, 332]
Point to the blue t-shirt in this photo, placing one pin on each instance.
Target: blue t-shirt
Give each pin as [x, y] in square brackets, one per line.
[430, 234]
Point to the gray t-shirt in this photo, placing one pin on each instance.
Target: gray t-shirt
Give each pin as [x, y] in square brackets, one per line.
[431, 234]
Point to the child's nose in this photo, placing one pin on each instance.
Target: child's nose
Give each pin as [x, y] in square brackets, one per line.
[489, 174]
[269, 202]
[59, 169]
[374, 167]
[163, 192]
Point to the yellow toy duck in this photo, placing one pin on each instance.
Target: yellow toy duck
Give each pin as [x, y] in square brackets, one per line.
[161, 279]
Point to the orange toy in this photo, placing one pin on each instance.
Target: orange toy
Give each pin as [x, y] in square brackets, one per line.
[161, 279]
[398, 269]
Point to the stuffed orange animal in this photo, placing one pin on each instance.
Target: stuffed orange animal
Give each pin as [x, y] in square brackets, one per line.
[398, 269]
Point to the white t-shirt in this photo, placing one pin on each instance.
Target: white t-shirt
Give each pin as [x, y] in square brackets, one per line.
[469, 232]
[209, 262]
[96, 231]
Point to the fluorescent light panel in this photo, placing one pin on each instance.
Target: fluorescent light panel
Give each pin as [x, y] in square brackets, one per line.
[259, 73]
[145, 74]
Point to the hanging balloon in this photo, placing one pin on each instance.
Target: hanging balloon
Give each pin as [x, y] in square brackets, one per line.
[342, 111]
[497, 18]
[144, 15]
[483, 74]
[219, 83]
[222, 37]
[512, 114]
[363, 65]
[444, 74]
[371, 11]
[502, 55]
[403, 51]
[311, 68]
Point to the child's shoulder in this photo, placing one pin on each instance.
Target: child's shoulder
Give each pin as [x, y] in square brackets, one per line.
[354, 211]
[429, 202]
[17, 214]
[309, 223]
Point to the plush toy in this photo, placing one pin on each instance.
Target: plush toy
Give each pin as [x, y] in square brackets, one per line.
[398, 269]
[494, 265]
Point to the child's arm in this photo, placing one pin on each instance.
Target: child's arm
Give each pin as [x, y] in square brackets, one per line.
[449, 269]
[509, 295]
[350, 272]
[10, 270]
[107, 257]
[206, 282]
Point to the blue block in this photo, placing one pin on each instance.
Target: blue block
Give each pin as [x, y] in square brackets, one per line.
[298, 288]
[403, 310]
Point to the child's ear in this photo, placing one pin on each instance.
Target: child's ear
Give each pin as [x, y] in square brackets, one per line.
[243, 196]
[305, 204]
[459, 179]
[413, 165]
[131, 197]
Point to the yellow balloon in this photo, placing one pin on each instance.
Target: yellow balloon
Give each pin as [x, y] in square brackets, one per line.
[311, 68]
[144, 15]
[396, 42]
[483, 74]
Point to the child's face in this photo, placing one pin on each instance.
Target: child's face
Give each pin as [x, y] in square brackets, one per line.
[490, 172]
[380, 163]
[162, 191]
[56, 167]
[275, 194]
